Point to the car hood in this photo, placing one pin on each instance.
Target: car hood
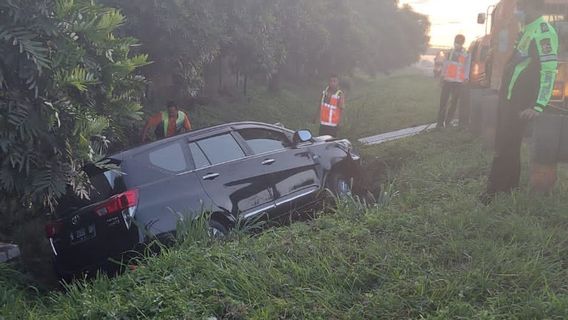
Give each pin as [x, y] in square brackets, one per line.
[324, 138]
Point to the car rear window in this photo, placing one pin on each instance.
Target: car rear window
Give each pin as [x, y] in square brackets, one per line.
[104, 183]
[170, 158]
[220, 149]
[199, 158]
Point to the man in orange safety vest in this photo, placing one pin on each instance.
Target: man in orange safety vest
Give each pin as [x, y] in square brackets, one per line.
[455, 73]
[167, 123]
[331, 108]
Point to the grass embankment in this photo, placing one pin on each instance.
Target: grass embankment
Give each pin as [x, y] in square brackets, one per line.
[434, 252]
[374, 106]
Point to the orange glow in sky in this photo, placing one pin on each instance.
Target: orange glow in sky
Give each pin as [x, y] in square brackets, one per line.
[450, 17]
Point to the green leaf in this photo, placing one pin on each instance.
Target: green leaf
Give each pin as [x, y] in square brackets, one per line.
[78, 78]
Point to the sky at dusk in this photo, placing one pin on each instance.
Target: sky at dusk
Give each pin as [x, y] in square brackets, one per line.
[450, 17]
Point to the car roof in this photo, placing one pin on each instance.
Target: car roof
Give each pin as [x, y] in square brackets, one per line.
[201, 133]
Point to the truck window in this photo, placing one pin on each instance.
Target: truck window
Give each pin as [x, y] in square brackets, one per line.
[560, 23]
[483, 52]
[562, 30]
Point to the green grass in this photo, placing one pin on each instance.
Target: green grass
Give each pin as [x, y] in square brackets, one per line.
[373, 105]
[434, 253]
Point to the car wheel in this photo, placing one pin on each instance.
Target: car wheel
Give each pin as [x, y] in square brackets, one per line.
[339, 185]
[217, 230]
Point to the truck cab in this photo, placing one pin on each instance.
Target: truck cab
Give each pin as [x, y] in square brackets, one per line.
[480, 53]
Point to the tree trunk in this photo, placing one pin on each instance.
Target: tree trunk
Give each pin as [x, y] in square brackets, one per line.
[245, 84]
[274, 82]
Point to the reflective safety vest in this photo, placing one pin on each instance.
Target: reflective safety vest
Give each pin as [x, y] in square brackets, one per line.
[179, 122]
[330, 113]
[535, 60]
[456, 67]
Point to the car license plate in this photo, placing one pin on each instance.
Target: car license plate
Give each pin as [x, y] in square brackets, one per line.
[83, 234]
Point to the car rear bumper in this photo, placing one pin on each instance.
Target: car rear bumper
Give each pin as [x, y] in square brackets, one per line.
[89, 260]
[110, 265]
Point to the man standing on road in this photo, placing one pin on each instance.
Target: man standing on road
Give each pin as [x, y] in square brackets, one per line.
[455, 73]
[331, 108]
[527, 87]
[167, 123]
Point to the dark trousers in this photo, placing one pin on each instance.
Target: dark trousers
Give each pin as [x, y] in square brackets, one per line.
[506, 170]
[328, 131]
[449, 90]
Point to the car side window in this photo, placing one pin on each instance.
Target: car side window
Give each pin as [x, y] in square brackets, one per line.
[199, 158]
[264, 140]
[170, 158]
[220, 149]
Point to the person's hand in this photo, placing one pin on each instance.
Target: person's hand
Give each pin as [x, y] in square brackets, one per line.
[529, 114]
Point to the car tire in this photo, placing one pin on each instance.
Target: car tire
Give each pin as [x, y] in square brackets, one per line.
[339, 185]
[217, 230]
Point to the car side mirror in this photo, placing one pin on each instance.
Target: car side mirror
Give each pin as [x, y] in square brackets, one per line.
[302, 136]
[481, 18]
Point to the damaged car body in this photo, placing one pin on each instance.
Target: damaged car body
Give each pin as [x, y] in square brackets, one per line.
[233, 172]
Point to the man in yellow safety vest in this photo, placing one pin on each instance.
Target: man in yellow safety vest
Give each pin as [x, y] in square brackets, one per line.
[167, 123]
[331, 108]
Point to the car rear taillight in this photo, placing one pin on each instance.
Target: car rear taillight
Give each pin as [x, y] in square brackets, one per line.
[52, 229]
[118, 203]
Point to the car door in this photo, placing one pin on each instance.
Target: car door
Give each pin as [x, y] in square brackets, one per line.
[168, 187]
[292, 169]
[233, 180]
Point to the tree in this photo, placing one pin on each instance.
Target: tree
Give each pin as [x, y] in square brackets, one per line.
[181, 38]
[263, 38]
[341, 35]
[252, 36]
[68, 88]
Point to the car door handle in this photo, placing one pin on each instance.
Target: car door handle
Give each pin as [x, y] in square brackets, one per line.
[268, 162]
[211, 176]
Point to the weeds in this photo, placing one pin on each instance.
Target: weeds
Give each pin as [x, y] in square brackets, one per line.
[194, 230]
